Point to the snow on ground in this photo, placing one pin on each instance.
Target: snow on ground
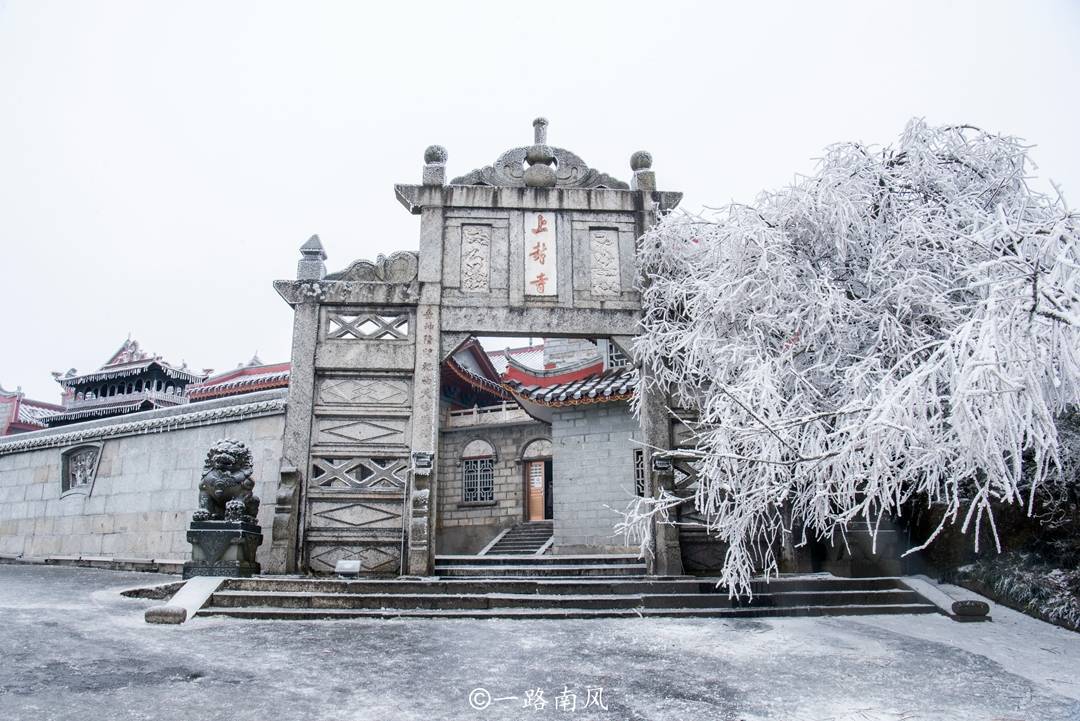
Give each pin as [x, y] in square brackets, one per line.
[72, 648]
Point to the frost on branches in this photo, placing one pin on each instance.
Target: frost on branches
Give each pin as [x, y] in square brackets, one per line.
[901, 326]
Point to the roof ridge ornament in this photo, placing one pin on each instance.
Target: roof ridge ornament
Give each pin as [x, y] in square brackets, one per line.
[540, 174]
[548, 167]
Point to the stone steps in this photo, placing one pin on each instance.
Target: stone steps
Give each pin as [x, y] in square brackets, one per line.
[549, 560]
[528, 571]
[563, 596]
[526, 538]
[554, 585]
[473, 601]
[306, 614]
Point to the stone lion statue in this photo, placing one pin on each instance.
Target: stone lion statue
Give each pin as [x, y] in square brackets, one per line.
[225, 492]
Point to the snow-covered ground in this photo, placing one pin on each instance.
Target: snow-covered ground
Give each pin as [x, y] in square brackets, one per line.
[71, 648]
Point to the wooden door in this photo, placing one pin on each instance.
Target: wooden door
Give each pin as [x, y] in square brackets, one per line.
[534, 482]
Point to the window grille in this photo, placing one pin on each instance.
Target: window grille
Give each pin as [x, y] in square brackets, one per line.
[639, 471]
[478, 480]
[615, 357]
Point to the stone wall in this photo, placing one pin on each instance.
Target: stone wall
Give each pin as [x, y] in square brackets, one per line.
[593, 468]
[146, 482]
[466, 528]
[567, 351]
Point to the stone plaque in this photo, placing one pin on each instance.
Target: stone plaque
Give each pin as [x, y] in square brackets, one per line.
[475, 258]
[540, 255]
[604, 261]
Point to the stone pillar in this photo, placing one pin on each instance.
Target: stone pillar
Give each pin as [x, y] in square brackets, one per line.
[421, 510]
[653, 408]
[285, 533]
[656, 433]
[425, 436]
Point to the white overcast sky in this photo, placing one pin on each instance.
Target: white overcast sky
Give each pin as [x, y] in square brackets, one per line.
[161, 162]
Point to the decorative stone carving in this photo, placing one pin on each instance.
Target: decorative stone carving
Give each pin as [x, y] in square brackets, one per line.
[369, 474]
[225, 492]
[224, 534]
[400, 267]
[312, 291]
[604, 262]
[368, 514]
[475, 258]
[79, 467]
[361, 431]
[570, 171]
[368, 326]
[365, 391]
[375, 558]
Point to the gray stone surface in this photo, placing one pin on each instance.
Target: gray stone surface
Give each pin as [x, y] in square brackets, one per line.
[465, 528]
[170, 615]
[593, 465]
[146, 485]
[74, 649]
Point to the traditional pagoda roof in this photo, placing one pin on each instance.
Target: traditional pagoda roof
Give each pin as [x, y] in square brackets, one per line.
[83, 414]
[617, 384]
[245, 378]
[530, 356]
[129, 360]
[460, 372]
[19, 414]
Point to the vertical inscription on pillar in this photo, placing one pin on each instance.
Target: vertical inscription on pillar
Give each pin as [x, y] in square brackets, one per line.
[475, 258]
[540, 255]
[604, 261]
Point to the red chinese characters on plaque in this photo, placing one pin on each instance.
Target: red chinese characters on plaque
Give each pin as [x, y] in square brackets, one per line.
[540, 254]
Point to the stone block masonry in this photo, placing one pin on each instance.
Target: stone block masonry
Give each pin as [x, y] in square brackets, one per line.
[139, 501]
[593, 475]
[466, 528]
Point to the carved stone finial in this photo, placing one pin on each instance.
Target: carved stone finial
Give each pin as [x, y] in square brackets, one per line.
[644, 177]
[313, 248]
[311, 265]
[435, 165]
[548, 167]
[539, 156]
[540, 131]
[641, 160]
[435, 154]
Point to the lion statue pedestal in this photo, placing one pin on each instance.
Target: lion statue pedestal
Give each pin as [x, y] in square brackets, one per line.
[224, 533]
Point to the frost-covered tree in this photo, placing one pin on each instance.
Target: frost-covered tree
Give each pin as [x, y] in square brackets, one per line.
[902, 325]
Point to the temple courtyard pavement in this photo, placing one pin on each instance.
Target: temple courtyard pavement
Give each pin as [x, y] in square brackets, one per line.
[72, 648]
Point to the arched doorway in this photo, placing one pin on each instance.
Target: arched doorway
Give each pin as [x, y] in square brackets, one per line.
[536, 465]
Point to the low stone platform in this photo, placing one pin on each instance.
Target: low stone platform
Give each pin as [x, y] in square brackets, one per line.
[558, 597]
[109, 563]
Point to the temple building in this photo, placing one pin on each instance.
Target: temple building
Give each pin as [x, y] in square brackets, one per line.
[19, 414]
[131, 380]
[245, 378]
[416, 427]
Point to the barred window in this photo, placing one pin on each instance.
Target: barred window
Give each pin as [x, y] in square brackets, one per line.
[615, 357]
[478, 479]
[639, 471]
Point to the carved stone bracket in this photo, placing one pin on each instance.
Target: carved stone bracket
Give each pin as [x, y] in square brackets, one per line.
[570, 172]
[400, 267]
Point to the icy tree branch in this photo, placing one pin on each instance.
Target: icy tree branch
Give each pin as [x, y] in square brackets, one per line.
[902, 325]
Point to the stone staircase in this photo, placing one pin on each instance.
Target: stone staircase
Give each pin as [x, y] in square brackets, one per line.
[523, 539]
[621, 591]
[522, 566]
